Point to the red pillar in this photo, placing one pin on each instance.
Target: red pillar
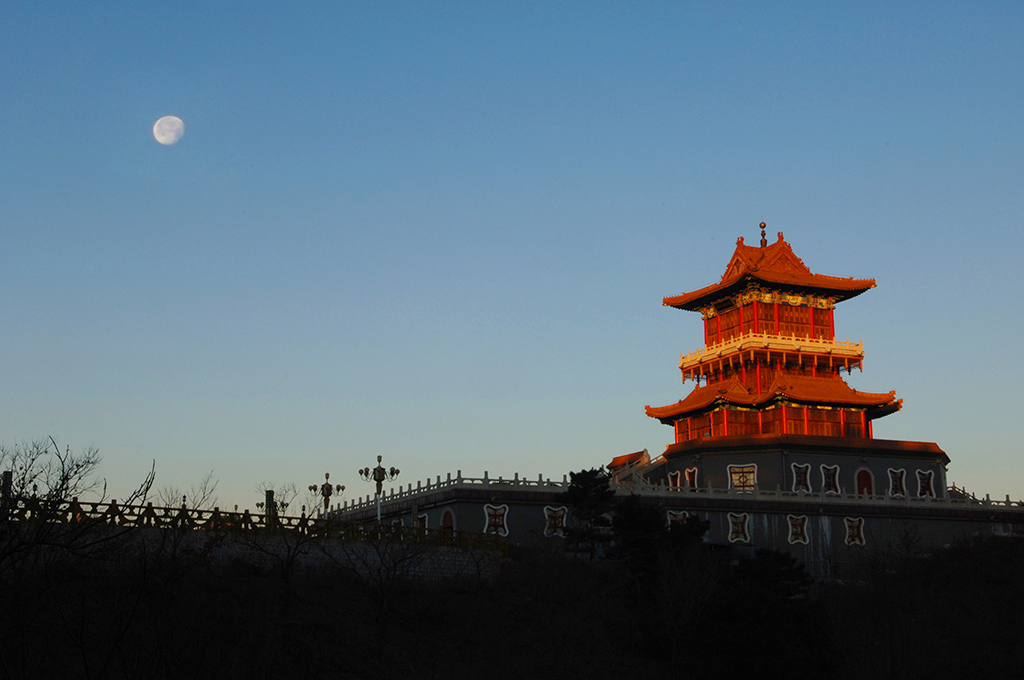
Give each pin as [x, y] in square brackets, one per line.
[832, 322]
[807, 422]
[706, 343]
[776, 318]
[810, 314]
[785, 421]
[864, 424]
[755, 318]
[725, 422]
[689, 429]
[842, 422]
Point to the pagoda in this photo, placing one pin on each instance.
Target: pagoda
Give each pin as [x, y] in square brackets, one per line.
[769, 382]
[772, 448]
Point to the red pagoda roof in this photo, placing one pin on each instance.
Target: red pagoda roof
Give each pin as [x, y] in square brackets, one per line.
[799, 389]
[775, 265]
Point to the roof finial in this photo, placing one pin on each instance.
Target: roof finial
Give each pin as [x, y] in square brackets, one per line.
[764, 241]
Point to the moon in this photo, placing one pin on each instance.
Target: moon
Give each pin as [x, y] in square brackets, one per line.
[168, 130]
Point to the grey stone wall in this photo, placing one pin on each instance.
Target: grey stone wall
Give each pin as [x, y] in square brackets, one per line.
[374, 559]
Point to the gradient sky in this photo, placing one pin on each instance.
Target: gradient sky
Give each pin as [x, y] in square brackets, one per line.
[441, 231]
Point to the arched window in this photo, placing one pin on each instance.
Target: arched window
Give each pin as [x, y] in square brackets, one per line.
[925, 486]
[496, 518]
[830, 479]
[865, 483]
[447, 522]
[691, 477]
[897, 485]
[801, 477]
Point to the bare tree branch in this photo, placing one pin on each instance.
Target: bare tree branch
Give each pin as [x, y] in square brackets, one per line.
[141, 493]
[42, 470]
[201, 496]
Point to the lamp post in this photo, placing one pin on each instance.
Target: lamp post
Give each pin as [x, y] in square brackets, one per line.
[327, 490]
[378, 474]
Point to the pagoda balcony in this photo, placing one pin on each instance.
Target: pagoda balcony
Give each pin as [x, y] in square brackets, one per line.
[771, 342]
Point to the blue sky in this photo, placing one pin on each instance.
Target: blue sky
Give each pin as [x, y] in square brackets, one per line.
[441, 232]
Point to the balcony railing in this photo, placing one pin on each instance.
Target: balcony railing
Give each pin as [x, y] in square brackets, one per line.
[781, 343]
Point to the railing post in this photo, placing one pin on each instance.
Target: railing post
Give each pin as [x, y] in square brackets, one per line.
[270, 508]
[6, 493]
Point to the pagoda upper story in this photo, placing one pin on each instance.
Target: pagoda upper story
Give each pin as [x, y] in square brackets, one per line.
[771, 363]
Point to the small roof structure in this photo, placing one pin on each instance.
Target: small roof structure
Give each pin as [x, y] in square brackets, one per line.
[775, 265]
[634, 458]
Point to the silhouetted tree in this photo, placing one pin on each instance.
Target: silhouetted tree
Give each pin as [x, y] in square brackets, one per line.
[688, 533]
[589, 496]
[773, 575]
[639, 531]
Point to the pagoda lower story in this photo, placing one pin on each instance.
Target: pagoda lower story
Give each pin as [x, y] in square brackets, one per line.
[790, 405]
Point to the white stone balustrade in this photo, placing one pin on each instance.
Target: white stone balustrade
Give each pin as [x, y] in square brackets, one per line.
[792, 343]
[947, 500]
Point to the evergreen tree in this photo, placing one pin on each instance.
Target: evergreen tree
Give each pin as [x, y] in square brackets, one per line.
[589, 496]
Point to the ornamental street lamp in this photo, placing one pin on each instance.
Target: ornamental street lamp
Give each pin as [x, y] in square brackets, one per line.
[378, 474]
[326, 490]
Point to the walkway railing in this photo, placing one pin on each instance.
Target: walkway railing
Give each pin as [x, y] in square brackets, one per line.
[112, 514]
[428, 486]
[952, 498]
